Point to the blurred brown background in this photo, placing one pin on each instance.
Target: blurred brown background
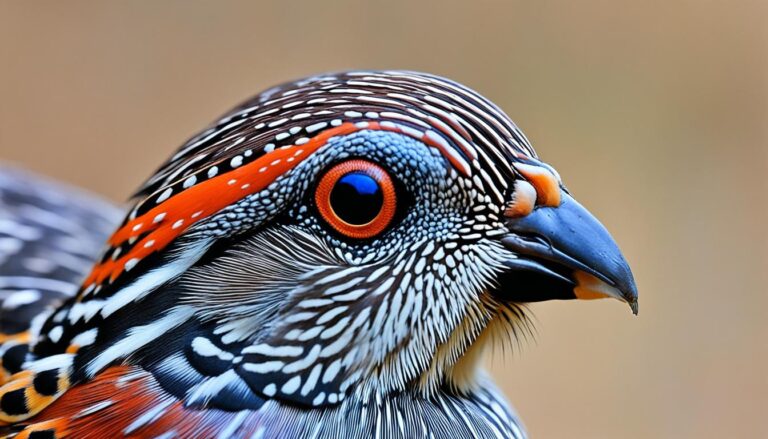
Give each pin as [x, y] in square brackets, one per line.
[654, 112]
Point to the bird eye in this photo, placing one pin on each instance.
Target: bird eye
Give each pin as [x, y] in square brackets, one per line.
[356, 198]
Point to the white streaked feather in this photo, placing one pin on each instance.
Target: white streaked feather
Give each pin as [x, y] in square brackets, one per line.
[138, 337]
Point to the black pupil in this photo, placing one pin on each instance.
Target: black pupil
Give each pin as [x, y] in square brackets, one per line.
[356, 198]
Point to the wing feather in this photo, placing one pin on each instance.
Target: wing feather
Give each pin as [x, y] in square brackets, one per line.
[50, 235]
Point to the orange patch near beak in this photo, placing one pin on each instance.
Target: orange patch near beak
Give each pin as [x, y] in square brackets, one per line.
[546, 184]
[589, 287]
[523, 202]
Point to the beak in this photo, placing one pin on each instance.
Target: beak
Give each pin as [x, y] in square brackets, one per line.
[563, 252]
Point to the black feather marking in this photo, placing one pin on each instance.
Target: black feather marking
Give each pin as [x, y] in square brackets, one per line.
[47, 382]
[14, 402]
[14, 357]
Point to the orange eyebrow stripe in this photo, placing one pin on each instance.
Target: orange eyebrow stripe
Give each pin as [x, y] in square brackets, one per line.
[207, 198]
[545, 182]
[222, 190]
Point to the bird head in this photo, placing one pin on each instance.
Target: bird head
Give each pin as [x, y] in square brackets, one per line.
[349, 233]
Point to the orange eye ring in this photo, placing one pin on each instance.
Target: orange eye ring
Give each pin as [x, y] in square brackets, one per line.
[385, 191]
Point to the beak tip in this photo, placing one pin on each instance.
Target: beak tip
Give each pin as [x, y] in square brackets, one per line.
[629, 288]
[633, 305]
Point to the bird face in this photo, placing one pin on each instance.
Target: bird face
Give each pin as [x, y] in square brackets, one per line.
[384, 260]
[353, 234]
